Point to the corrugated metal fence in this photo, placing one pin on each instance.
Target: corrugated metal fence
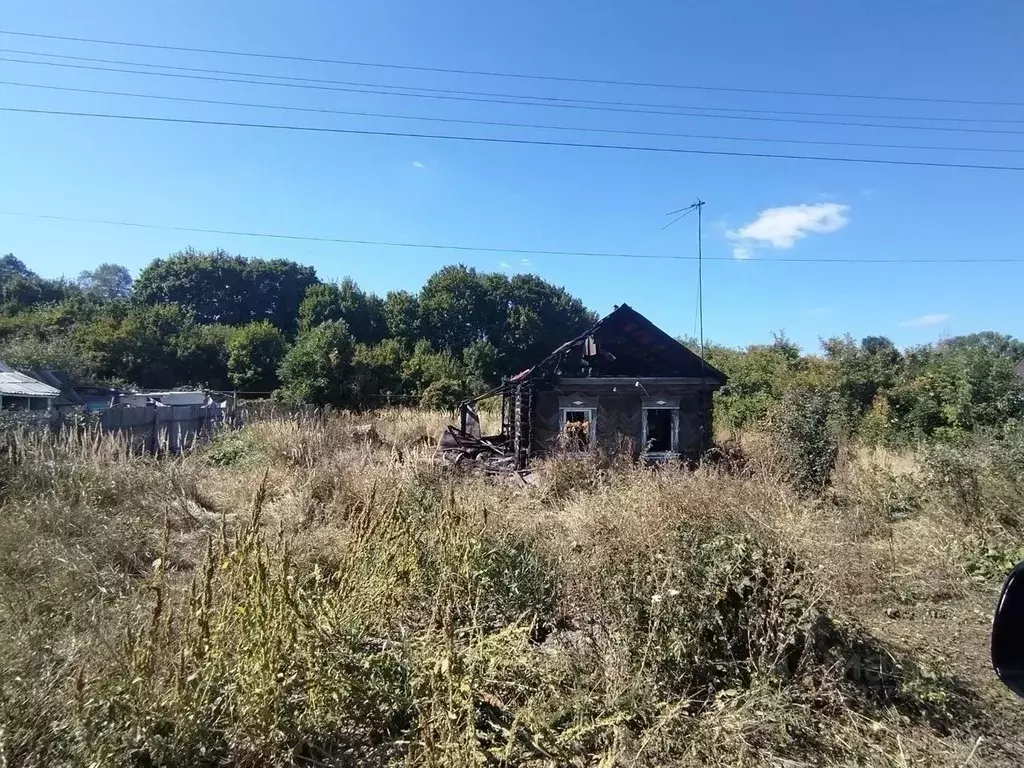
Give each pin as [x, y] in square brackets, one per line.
[161, 429]
[150, 429]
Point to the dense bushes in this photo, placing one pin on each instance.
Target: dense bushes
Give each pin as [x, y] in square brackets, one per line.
[878, 394]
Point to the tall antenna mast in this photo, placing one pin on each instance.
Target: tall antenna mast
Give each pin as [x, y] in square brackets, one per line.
[699, 205]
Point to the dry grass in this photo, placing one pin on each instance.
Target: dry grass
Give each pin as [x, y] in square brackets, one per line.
[310, 592]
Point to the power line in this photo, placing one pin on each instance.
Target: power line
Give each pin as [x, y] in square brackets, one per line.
[531, 97]
[500, 124]
[506, 251]
[482, 100]
[524, 142]
[514, 75]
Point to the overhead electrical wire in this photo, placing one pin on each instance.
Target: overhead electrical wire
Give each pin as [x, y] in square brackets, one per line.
[500, 124]
[514, 75]
[475, 99]
[506, 140]
[504, 251]
[531, 97]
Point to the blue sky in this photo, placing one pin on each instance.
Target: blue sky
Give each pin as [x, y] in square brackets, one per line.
[550, 198]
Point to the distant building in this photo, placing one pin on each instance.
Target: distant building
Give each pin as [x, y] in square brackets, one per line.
[140, 399]
[20, 392]
[1020, 369]
[622, 384]
[89, 398]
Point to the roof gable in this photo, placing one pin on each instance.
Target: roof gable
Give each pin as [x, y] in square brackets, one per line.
[625, 343]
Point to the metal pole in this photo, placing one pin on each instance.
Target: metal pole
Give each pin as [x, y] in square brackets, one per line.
[700, 273]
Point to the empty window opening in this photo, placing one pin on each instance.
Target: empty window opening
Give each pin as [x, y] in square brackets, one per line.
[577, 428]
[660, 430]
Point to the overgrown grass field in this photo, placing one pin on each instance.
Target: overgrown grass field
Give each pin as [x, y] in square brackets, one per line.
[302, 592]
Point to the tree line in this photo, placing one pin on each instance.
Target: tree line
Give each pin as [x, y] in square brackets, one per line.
[875, 392]
[265, 326]
[224, 322]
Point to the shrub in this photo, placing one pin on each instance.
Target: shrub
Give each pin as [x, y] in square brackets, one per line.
[255, 352]
[316, 368]
[228, 448]
[805, 439]
[955, 474]
[443, 395]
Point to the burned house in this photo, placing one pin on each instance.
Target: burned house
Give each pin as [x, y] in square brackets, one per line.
[622, 385]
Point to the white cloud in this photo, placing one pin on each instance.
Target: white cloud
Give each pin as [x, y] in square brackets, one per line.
[525, 262]
[924, 321]
[418, 164]
[504, 265]
[782, 227]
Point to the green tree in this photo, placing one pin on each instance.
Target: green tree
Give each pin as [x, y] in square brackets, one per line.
[376, 373]
[440, 380]
[107, 281]
[425, 366]
[140, 347]
[11, 267]
[859, 374]
[22, 289]
[277, 288]
[217, 287]
[522, 317]
[1001, 344]
[402, 317]
[758, 378]
[203, 351]
[977, 388]
[456, 309]
[362, 313]
[531, 317]
[320, 305]
[255, 352]
[55, 352]
[317, 368]
[20, 293]
[481, 367]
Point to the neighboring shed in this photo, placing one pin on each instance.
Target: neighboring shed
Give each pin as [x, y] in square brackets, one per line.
[73, 396]
[623, 384]
[19, 392]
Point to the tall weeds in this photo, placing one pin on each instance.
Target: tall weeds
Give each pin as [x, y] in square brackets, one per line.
[302, 592]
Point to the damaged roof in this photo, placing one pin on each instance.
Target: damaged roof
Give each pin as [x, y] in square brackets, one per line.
[628, 344]
[15, 384]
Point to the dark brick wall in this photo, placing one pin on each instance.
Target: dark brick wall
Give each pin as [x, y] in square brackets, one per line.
[620, 410]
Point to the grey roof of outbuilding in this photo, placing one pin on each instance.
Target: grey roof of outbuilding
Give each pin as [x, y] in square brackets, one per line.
[19, 385]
